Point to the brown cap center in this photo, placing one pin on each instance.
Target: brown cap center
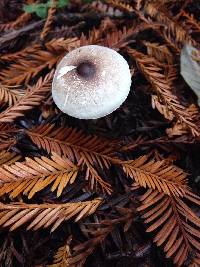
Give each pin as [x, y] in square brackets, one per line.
[86, 69]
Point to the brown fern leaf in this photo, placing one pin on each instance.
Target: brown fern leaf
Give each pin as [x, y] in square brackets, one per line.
[192, 198]
[44, 215]
[93, 177]
[156, 175]
[177, 228]
[132, 143]
[76, 257]
[20, 54]
[7, 136]
[89, 151]
[173, 33]
[34, 175]
[10, 94]
[62, 256]
[32, 98]
[190, 21]
[49, 20]
[157, 103]
[73, 144]
[31, 61]
[105, 9]
[94, 37]
[177, 129]
[119, 38]
[155, 75]
[160, 52]
[19, 22]
[8, 158]
[121, 5]
[99, 232]
[138, 4]
[195, 262]
[82, 251]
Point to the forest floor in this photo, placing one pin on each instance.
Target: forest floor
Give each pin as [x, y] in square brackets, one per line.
[121, 190]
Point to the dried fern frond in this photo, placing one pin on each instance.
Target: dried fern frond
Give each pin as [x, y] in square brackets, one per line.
[89, 151]
[121, 38]
[10, 94]
[76, 256]
[62, 256]
[160, 52]
[190, 21]
[177, 129]
[177, 227]
[92, 152]
[35, 174]
[49, 20]
[93, 177]
[195, 262]
[157, 103]
[19, 22]
[172, 32]
[7, 137]
[98, 233]
[155, 75]
[31, 61]
[94, 36]
[194, 199]
[32, 98]
[73, 144]
[156, 175]
[8, 158]
[20, 54]
[105, 9]
[44, 215]
[82, 251]
[121, 5]
[138, 4]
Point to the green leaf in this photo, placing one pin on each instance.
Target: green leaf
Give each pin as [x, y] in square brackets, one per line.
[49, 3]
[30, 8]
[62, 3]
[42, 11]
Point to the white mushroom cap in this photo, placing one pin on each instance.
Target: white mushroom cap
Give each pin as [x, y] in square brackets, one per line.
[91, 82]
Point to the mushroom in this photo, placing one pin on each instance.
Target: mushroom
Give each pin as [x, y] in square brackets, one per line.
[91, 82]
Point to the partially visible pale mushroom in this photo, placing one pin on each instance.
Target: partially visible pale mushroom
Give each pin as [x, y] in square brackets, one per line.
[91, 82]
